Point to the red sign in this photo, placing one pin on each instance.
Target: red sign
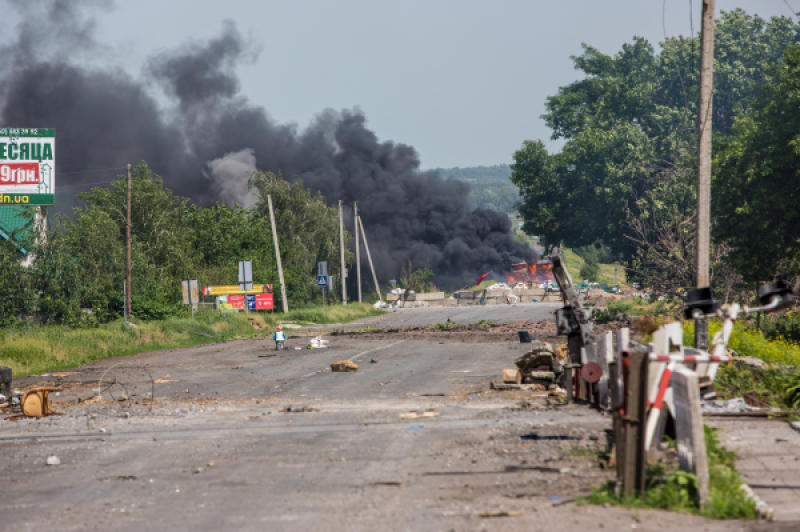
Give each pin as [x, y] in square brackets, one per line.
[237, 301]
[263, 301]
[19, 174]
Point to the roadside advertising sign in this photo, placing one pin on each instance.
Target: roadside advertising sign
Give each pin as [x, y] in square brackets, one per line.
[264, 302]
[221, 290]
[250, 301]
[27, 166]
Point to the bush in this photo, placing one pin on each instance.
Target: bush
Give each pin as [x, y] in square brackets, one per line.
[784, 326]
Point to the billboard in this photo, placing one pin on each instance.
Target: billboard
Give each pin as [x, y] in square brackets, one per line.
[27, 166]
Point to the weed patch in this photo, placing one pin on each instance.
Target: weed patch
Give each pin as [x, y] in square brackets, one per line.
[669, 488]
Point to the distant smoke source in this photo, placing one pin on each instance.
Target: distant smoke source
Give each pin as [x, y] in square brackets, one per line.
[205, 145]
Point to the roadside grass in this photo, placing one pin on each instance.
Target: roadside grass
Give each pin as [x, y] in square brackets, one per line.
[325, 314]
[32, 350]
[669, 488]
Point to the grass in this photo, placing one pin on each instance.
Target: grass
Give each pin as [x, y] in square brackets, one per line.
[32, 350]
[575, 262]
[326, 314]
[669, 488]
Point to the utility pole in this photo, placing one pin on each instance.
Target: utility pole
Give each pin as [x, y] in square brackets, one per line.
[277, 254]
[358, 252]
[369, 258]
[342, 274]
[128, 250]
[704, 119]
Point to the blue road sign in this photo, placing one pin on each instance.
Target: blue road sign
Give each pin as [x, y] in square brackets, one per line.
[322, 280]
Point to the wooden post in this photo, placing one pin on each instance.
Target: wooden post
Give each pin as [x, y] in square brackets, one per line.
[277, 254]
[605, 354]
[617, 399]
[343, 272]
[689, 429]
[633, 479]
[128, 250]
[369, 258]
[358, 251]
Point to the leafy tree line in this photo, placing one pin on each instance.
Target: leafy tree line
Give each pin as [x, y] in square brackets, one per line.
[625, 177]
[81, 263]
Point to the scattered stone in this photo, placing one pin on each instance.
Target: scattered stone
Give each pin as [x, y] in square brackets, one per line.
[734, 405]
[53, 460]
[344, 365]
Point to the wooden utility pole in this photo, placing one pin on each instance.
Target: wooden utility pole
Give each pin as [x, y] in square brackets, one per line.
[277, 254]
[369, 258]
[343, 274]
[704, 119]
[358, 252]
[128, 250]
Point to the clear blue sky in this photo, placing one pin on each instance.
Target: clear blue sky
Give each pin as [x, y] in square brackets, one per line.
[463, 81]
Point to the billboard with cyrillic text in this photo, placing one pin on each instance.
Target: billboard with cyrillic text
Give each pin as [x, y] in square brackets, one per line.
[27, 166]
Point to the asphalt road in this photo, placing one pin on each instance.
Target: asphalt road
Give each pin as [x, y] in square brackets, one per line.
[242, 437]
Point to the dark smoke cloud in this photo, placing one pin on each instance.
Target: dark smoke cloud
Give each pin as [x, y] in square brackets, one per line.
[205, 145]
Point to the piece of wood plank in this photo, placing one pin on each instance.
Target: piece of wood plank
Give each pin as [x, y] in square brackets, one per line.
[689, 429]
[633, 480]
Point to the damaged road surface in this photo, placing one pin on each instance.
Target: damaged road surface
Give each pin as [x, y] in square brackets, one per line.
[222, 437]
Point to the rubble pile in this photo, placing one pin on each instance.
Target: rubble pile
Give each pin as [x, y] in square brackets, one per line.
[541, 365]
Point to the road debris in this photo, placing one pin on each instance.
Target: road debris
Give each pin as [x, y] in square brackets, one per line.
[512, 376]
[540, 365]
[299, 409]
[386, 483]
[501, 513]
[344, 365]
[237, 366]
[53, 460]
[36, 403]
[414, 415]
[533, 436]
[318, 343]
[165, 380]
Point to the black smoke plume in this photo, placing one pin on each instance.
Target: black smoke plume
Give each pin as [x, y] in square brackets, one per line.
[211, 136]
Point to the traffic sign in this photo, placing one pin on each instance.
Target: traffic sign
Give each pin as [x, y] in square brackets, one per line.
[322, 280]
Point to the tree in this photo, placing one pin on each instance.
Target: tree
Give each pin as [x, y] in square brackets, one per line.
[626, 171]
[757, 185]
[308, 231]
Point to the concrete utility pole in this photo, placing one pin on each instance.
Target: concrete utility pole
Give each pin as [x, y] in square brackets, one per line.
[358, 252]
[369, 258]
[704, 119]
[343, 274]
[128, 250]
[277, 254]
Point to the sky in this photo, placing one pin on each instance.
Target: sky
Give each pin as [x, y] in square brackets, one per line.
[464, 82]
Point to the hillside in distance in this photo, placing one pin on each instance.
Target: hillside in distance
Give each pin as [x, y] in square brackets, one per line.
[490, 186]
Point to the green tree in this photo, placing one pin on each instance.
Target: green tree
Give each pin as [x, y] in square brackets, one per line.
[308, 232]
[757, 187]
[625, 175]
